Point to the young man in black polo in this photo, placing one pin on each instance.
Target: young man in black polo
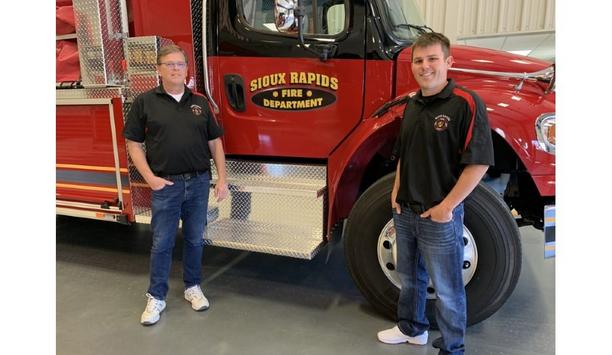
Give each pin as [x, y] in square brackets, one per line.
[181, 135]
[445, 149]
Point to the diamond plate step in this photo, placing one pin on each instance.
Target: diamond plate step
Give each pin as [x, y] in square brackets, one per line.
[277, 239]
[272, 208]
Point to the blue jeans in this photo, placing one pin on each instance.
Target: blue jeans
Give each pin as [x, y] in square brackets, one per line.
[427, 248]
[187, 200]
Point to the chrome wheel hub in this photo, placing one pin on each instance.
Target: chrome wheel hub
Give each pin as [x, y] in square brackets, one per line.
[387, 257]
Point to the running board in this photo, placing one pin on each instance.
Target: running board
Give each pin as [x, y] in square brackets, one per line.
[269, 238]
[272, 208]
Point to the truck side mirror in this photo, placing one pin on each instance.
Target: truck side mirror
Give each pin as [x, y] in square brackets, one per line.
[289, 17]
[285, 18]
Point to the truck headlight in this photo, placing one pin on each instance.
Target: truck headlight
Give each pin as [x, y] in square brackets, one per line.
[545, 130]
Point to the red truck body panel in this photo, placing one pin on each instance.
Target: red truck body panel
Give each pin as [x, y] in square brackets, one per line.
[85, 159]
[344, 134]
[313, 133]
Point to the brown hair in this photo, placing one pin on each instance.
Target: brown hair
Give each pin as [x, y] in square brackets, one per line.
[171, 48]
[430, 38]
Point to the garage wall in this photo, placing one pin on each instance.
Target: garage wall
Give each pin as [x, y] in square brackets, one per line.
[463, 19]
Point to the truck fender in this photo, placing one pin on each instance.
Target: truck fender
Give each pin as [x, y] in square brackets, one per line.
[512, 116]
[348, 162]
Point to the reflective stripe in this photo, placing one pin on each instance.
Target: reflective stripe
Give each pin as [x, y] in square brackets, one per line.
[89, 177]
[91, 188]
[89, 167]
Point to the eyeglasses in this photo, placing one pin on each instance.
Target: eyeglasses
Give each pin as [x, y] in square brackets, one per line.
[174, 65]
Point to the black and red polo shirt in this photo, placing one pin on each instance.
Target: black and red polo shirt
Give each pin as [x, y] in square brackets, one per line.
[439, 136]
[176, 134]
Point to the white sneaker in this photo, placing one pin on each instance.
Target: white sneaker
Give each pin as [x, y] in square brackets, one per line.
[151, 313]
[395, 336]
[194, 295]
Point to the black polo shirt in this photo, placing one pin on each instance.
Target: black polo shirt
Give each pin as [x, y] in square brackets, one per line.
[176, 134]
[439, 136]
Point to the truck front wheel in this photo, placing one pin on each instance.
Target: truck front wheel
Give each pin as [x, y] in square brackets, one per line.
[492, 260]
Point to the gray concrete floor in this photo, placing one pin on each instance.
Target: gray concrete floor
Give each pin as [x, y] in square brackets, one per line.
[260, 304]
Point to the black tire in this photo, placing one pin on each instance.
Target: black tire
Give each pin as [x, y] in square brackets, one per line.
[487, 217]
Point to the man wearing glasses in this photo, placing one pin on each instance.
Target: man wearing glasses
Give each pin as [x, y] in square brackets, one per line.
[181, 135]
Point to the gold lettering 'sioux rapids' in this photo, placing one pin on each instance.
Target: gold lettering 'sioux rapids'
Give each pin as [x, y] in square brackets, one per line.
[304, 78]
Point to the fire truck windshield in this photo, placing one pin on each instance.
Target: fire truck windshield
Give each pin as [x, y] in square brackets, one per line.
[403, 18]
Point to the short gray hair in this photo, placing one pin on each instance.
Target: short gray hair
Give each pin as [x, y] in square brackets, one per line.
[171, 48]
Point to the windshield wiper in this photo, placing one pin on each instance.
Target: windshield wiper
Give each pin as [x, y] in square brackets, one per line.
[420, 29]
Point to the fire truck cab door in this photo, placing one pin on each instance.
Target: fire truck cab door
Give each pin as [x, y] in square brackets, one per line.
[276, 98]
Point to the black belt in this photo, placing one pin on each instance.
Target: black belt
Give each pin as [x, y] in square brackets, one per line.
[184, 176]
[415, 207]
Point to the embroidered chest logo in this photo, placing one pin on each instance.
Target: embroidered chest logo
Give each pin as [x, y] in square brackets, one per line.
[197, 110]
[441, 123]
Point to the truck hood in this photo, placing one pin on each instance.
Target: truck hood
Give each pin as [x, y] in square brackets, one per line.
[480, 61]
[492, 60]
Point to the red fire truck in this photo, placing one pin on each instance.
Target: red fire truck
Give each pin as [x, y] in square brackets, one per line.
[310, 95]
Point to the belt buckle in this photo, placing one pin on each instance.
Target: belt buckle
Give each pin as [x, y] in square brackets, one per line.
[192, 174]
